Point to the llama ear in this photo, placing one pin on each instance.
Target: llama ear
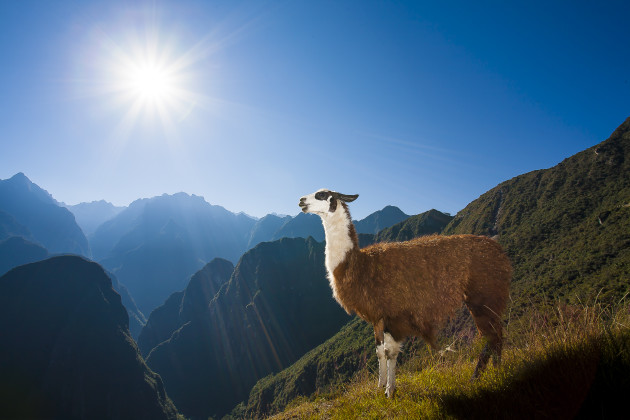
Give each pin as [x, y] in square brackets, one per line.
[348, 198]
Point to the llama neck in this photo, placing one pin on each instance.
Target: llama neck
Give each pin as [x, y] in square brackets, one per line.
[341, 238]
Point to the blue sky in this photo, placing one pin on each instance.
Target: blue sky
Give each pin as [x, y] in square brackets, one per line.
[415, 104]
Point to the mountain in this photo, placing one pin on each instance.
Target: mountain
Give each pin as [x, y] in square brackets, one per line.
[301, 226]
[65, 348]
[10, 227]
[265, 229]
[107, 235]
[17, 251]
[426, 223]
[276, 306]
[137, 320]
[52, 226]
[566, 229]
[333, 362]
[90, 216]
[182, 307]
[388, 216]
[156, 244]
[304, 225]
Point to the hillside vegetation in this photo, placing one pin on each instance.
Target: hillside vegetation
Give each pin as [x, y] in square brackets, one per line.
[567, 228]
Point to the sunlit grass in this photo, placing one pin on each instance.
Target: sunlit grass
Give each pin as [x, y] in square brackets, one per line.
[559, 362]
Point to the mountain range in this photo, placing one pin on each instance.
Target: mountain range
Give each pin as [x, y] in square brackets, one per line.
[150, 248]
[156, 244]
[89, 216]
[258, 326]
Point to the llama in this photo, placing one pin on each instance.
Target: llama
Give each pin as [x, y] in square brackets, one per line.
[411, 288]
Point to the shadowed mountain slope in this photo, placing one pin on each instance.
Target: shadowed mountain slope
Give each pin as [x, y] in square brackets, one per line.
[17, 251]
[189, 304]
[65, 348]
[276, 306]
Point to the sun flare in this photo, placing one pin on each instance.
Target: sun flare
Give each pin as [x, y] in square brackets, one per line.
[149, 82]
[149, 78]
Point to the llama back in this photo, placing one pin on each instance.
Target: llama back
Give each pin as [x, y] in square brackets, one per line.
[445, 271]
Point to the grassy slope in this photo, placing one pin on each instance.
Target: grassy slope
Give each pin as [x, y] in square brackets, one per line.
[574, 362]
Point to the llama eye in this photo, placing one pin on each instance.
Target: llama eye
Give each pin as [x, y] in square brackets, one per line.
[321, 195]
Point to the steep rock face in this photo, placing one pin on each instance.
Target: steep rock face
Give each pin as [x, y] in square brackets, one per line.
[136, 318]
[65, 348]
[17, 251]
[181, 307]
[52, 226]
[567, 228]
[276, 306]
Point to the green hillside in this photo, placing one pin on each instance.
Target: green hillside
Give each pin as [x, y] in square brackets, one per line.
[567, 228]
[426, 223]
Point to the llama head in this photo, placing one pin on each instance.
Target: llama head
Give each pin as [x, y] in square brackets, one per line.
[324, 202]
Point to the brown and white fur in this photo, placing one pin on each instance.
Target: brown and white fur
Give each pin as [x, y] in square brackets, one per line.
[411, 288]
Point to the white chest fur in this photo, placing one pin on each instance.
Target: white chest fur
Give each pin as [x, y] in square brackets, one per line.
[338, 242]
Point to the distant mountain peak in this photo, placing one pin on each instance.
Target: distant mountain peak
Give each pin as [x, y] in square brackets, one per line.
[379, 220]
[20, 177]
[34, 208]
[22, 182]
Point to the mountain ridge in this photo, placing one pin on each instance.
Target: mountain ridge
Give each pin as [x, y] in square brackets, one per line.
[33, 208]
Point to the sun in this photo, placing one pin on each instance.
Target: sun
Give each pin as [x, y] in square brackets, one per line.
[151, 83]
[149, 77]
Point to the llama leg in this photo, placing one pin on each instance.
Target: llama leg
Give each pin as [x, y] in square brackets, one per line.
[484, 356]
[382, 365]
[489, 325]
[380, 353]
[392, 348]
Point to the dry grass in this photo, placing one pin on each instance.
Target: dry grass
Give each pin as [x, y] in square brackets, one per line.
[559, 362]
